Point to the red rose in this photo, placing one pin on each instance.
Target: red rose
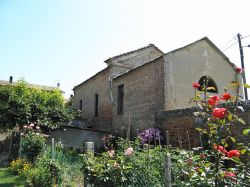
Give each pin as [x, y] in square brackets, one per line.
[212, 102]
[215, 98]
[219, 113]
[233, 153]
[238, 70]
[220, 148]
[231, 175]
[226, 96]
[196, 85]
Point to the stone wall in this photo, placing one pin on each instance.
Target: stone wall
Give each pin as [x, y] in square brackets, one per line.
[178, 122]
[143, 97]
[86, 92]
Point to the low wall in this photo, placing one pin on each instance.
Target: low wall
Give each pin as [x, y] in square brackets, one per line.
[75, 136]
[178, 122]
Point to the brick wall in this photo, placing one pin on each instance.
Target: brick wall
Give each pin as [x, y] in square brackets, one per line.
[178, 122]
[143, 97]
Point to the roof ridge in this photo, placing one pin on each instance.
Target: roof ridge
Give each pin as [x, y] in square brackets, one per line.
[148, 46]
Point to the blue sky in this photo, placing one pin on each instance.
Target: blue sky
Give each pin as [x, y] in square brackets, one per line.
[50, 41]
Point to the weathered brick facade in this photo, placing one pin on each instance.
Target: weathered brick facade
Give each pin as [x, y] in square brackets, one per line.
[143, 96]
[101, 84]
[179, 122]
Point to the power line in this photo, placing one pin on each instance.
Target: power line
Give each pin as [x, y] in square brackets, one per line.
[234, 38]
[230, 46]
[245, 37]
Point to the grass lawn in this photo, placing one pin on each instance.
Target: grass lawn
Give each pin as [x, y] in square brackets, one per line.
[7, 179]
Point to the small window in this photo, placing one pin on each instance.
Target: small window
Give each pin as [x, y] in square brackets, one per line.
[120, 97]
[80, 105]
[208, 83]
[96, 105]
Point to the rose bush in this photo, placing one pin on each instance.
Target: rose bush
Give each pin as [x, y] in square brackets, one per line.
[227, 160]
[33, 141]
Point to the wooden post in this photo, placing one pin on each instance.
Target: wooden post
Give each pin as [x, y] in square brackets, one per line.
[53, 148]
[167, 138]
[201, 140]
[179, 139]
[167, 171]
[20, 146]
[189, 142]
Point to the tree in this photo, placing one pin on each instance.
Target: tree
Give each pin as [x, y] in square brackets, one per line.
[20, 105]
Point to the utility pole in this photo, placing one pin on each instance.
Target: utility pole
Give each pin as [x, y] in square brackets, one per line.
[242, 65]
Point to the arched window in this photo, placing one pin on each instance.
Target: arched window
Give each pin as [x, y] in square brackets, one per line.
[208, 83]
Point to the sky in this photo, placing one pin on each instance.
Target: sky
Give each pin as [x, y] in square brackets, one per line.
[51, 41]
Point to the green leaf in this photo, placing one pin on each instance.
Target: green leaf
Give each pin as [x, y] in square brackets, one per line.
[230, 117]
[246, 85]
[241, 121]
[199, 129]
[246, 131]
[197, 114]
[232, 138]
[243, 151]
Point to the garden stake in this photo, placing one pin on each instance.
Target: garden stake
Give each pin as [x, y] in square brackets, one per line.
[155, 138]
[189, 144]
[201, 139]
[179, 138]
[167, 138]
[159, 138]
[53, 148]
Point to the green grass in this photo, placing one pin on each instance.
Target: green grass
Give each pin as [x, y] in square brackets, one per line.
[7, 179]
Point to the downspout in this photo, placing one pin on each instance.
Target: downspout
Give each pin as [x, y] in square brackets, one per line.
[112, 101]
[110, 90]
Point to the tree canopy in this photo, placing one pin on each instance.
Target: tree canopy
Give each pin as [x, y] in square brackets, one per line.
[20, 105]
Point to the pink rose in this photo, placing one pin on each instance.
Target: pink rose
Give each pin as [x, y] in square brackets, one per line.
[196, 85]
[128, 151]
[111, 153]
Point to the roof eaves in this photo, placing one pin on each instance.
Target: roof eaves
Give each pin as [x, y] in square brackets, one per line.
[84, 82]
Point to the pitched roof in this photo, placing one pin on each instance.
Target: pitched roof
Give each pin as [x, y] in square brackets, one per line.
[117, 63]
[43, 87]
[204, 38]
[130, 52]
[98, 73]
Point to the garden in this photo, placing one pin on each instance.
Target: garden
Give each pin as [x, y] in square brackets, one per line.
[147, 160]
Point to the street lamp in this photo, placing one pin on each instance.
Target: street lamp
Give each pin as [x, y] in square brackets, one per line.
[242, 64]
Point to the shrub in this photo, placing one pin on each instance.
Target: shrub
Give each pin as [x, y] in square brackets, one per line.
[33, 142]
[17, 165]
[127, 164]
[63, 170]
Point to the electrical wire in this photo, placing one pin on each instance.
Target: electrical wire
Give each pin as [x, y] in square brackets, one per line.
[234, 38]
[245, 37]
[230, 46]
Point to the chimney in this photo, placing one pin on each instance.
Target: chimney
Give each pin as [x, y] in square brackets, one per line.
[11, 80]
